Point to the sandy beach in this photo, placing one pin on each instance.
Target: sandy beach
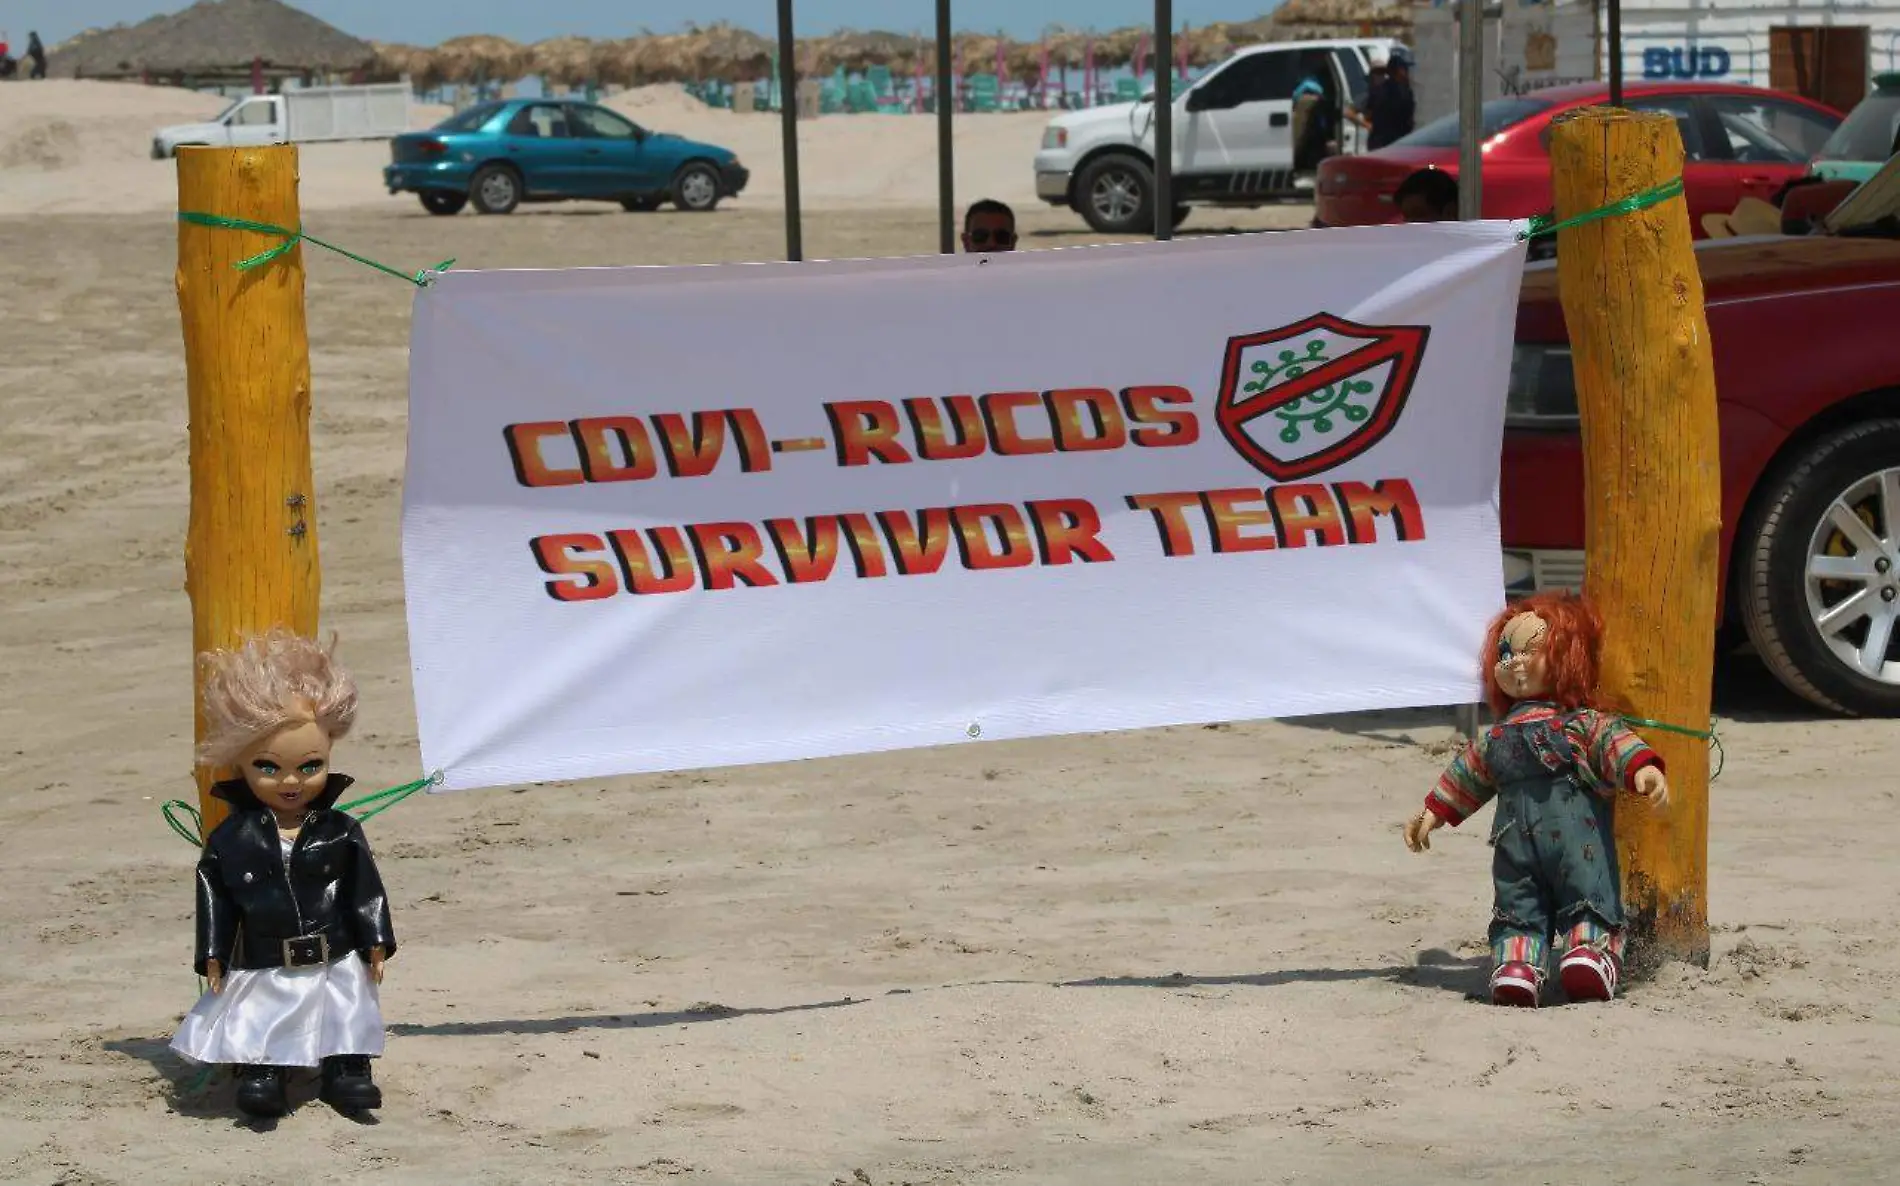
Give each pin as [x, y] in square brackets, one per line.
[1193, 955]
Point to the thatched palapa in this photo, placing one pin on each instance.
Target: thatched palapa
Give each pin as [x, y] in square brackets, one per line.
[217, 38]
[482, 59]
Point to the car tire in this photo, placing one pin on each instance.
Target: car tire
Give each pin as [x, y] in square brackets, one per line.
[495, 189]
[1821, 636]
[695, 188]
[643, 204]
[442, 202]
[1114, 194]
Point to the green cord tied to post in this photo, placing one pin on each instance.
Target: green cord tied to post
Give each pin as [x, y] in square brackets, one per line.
[292, 238]
[1548, 224]
[384, 800]
[1709, 735]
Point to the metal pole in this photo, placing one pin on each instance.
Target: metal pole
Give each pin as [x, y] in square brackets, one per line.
[1616, 53]
[1470, 107]
[946, 159]
[788, 129]
[1164, 119]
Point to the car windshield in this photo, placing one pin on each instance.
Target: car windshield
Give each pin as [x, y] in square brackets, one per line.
[469, 118]
[1496, 116]
[1869, 133]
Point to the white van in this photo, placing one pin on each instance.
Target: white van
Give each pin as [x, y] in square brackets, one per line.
[1233, 136]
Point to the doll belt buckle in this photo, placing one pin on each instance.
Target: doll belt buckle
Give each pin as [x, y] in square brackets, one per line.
[307, 952]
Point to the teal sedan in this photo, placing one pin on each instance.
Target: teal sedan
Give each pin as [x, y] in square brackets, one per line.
[495, 156]
[1866, 138]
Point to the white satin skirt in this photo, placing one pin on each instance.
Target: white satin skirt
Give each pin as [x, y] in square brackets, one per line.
[286, 1017]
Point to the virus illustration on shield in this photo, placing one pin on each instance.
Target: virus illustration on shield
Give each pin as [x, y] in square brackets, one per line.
[1308, 397]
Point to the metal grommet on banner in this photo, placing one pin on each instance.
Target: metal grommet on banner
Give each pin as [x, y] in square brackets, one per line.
[975, 730]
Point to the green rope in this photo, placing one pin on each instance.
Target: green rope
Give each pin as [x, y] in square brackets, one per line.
[1548, 224]
[291, 239]
[385, 800]
[1709, 735]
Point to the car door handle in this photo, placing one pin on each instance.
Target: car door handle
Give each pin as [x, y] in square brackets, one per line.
[1278, 119]
[593, 152]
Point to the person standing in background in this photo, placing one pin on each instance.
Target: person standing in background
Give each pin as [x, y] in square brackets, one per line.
[989, 226]
[1390, 107]
[36, 54]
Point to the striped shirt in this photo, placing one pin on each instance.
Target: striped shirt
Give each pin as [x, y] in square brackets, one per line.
[1605, 747]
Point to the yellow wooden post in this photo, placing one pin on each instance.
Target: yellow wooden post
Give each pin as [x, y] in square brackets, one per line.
[251, 548]
[1652, 488]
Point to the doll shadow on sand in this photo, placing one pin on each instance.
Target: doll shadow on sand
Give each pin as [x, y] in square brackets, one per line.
[210, 1093]
[1434, 969]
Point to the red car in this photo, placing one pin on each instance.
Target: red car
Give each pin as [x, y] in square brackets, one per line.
[1738, 141]
[1808, 390]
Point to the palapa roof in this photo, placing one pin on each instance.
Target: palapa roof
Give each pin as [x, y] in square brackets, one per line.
[214, 36]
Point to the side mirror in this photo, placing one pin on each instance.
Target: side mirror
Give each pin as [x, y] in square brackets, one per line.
[1197, 99]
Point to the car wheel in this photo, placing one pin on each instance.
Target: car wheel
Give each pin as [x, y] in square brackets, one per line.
[1112, 195]
[495, 189]
[1820, 580]
[644, 204]
[696, 188]
[437, 201]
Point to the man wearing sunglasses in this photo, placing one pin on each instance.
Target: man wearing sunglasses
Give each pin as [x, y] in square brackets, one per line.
[989, 226]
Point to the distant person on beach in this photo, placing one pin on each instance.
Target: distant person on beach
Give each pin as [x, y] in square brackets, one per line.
[989, 226]
[1429, 195]
[36, 54]
[1389, 108]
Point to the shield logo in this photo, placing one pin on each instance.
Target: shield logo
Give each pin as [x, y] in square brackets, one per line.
[1301, 399]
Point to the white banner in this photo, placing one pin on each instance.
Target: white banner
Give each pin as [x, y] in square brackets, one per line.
[664, 518]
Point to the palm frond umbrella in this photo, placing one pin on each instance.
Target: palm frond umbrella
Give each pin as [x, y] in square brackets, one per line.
[734, 55]
[566, 61]
[1118, 47]
[620, 61]
[975, 54]
[482, 58]
[669, 57]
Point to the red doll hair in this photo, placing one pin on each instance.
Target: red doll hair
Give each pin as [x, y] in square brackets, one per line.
[1572, 648]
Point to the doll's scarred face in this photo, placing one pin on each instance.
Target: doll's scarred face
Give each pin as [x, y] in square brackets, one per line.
[1522, 671]
[288, 769]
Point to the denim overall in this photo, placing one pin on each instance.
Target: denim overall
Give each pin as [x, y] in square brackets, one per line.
[1554, 860]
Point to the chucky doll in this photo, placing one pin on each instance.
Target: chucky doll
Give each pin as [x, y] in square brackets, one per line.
[1555, 764]
[293, 924]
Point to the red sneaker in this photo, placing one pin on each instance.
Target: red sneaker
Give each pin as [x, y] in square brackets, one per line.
[1516, 983]
[1588, 974]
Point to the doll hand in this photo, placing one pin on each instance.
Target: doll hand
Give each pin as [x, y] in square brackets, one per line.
[1418, 830]
[214, 976]
[376, 965]
[1651, 784]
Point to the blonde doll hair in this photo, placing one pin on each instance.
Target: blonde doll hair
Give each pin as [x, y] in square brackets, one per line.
[274, 681]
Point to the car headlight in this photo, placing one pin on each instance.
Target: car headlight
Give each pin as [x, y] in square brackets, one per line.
[1055, 138]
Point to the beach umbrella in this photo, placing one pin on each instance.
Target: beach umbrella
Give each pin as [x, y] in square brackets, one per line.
[566, 61]
[482, 58]
[733, 55]
[621, 61]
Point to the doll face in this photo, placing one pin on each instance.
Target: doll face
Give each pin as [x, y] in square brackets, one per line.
[288, 769]
[1521, 668]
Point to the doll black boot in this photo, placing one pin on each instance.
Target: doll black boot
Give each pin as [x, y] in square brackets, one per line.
[260, 1091]
[347, 1085]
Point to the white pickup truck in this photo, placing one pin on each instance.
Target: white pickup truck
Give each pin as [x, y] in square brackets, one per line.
[1233, 136]
[297, 116]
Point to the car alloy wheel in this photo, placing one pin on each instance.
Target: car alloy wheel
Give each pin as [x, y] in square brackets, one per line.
[1116, 195]
[1817, 569]
[1853, 576]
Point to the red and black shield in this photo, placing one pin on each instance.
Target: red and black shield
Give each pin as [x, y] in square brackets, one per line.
[1299, 400]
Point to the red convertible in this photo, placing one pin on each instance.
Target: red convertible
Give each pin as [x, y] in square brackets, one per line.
[1807, 368]
[1738, 141]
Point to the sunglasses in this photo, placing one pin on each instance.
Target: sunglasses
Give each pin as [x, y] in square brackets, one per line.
[982, 237]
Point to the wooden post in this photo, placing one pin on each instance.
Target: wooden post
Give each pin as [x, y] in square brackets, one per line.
[1652, 494]
[251, 547]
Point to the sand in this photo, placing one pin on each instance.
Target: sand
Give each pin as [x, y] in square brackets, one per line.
[1188, 955]
[85, 148]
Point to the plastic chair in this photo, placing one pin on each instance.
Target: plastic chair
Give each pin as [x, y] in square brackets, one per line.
[984, 94]
[1128, 90]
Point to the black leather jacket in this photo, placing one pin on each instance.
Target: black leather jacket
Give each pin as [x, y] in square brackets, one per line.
[249, 903]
